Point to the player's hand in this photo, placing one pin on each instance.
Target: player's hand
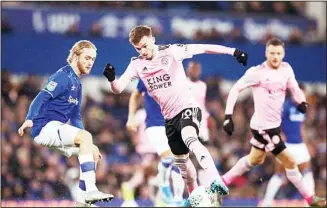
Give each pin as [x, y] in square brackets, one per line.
[130, 125]
[241, 57]
[26, 124]
[228, 125]
[109, 72]
[302, 107]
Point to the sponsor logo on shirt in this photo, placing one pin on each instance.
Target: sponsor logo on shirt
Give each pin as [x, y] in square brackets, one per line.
[159, 82]
[73, 100]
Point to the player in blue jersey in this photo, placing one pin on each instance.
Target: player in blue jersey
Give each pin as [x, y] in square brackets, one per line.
[156, 133]
[292, 126]
[56, 104]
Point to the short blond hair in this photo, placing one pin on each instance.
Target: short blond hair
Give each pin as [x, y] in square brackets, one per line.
[138, 32]
[77, 49]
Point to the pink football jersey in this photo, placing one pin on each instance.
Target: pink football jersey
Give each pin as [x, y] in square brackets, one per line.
[164, 75]
[199, 91]
[269, 89]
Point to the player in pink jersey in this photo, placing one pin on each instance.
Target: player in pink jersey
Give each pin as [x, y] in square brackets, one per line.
[198, 89]
[162, 71]
[269, 82]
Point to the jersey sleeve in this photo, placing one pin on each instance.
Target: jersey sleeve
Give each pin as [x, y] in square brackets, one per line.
[37, 104]
[119, 85]
[140, 86]
[180, 52]
[250, 78]
[293, 85]
[57, 84]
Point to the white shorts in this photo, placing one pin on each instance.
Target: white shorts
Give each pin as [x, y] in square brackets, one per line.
[204, 130]
[57, 134]
[299, 152]
[157, 137]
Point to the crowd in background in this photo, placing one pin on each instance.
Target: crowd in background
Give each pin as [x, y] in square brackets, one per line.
[276, 9]
[256, 7]
[29, 171]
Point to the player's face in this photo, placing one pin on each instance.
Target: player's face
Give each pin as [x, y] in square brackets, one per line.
[86, 60]
[275, 55]
[194, 71]
[146, 47]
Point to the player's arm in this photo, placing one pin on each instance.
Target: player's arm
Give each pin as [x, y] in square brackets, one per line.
[76, 118]
[119, 85]
[297, 93]
[250, 78]
[134, 102]
[33, 110]
[55, 86]
[188, 50]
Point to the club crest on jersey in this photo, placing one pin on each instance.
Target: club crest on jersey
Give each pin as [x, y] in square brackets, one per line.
[164, 61]
[52, 85]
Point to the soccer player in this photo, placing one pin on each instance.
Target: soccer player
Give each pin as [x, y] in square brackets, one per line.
[199, 90]
[155, 130]
[56, 104]
[162, 72]
[269, 82]
[293, 129]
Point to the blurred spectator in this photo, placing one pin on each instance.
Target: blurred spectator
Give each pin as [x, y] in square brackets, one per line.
[296, 36]
[96, 30]
[255, 7]
[73, 30]
[5, 27]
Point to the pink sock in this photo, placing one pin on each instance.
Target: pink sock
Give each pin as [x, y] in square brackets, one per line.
[243, 165]
[296, 177]
[187, 170]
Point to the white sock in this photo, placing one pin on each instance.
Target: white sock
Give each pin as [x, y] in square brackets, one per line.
[81, 188]
[308, 179]
[178, 184]
[88, 171]
[164, 169]
[273, 186]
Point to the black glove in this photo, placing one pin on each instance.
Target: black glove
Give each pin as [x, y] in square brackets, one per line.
[302, 107]
[241, 57]
[109, 72]
[228, 125]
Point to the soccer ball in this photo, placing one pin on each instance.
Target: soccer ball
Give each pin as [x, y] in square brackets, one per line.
[203, 197]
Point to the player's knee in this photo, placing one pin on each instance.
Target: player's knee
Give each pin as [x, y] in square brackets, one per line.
[290, 163]
[257, 160]
[181, 160]
[189, 131]
[84, 137]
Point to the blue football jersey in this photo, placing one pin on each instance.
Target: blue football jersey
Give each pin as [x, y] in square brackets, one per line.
[292, 120]
[63, 98]
[152, 108]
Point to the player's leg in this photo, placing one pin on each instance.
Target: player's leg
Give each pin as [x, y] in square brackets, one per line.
[295, 176]
[189, 124]
[274, 184]
[88, 156]
[166, 166]
[256, 157]
[302, 157]
[82, 188]
[157, 137]
[181, 154]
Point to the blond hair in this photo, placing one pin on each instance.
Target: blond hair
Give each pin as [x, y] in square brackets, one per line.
[77, 49]
[138, 32]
